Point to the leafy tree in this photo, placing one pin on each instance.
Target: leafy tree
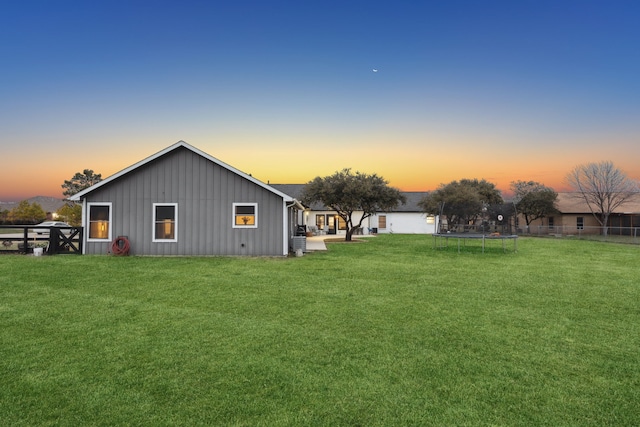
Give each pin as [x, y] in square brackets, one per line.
[347, 193]
[27, 213]
[80, 181]
[603, 187]
[461, 202]
[71, 213]
[533, 200]
[4, 216]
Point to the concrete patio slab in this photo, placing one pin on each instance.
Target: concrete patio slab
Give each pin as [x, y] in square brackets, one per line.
[316, 243]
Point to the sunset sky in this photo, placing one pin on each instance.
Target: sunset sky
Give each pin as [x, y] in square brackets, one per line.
[286, 90]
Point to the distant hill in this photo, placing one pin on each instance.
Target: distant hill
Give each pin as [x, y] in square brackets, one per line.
[48, 204]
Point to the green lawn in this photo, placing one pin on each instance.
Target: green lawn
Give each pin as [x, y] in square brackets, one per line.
[385, 333]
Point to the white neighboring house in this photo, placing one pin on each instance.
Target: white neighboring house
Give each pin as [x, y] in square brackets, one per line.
[404, 219]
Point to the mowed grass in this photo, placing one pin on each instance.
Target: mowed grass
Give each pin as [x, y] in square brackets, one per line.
[389, 332]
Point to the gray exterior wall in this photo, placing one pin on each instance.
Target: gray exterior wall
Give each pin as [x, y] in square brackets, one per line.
[205, 193]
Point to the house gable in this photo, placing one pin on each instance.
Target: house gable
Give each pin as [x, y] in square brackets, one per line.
[180, 144]
[201, 194]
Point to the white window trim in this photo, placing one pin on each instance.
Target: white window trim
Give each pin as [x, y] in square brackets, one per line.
[89, 205]
[233, 215]
[153, 223]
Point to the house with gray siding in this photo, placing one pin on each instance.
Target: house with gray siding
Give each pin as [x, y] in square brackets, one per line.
[182, 201]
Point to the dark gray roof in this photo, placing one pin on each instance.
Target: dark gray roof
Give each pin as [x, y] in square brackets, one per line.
[413, 198]
[573, 203]
[295, 191]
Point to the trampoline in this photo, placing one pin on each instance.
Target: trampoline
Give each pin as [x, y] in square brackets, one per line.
[438, 237]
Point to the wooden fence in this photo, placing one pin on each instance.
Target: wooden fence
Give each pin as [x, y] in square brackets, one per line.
[27, 239]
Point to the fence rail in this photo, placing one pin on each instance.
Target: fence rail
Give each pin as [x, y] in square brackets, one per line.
[52, 240]
[607, 234]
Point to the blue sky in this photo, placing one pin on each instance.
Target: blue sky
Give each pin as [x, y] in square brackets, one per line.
[501, 90]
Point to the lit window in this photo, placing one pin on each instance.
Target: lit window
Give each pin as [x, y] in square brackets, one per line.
[320, 221]
[342, 224]
[245, 215]
[382, 221]
[99, 221]
[165, 220]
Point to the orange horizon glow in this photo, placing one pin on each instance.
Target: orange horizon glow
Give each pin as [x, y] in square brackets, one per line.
[406, 171]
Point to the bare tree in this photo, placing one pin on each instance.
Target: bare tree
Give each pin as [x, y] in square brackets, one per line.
[603, 187]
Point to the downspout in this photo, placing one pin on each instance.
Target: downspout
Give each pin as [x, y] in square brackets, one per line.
[290, 225]
[285, 229]
[85, 229]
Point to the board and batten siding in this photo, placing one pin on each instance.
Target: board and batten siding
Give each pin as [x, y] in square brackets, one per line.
[205, 193]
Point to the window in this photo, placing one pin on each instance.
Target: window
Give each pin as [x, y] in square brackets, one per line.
[382, 221]
[99, 221]
[165, 220]
[342, 224]
[245, 215]
[580, 222]
[550, 223]
[320, 221]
